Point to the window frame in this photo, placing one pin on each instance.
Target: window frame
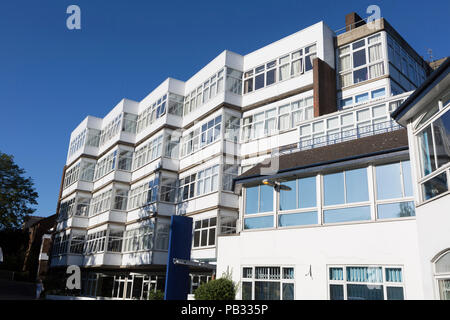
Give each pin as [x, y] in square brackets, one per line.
[384, 282]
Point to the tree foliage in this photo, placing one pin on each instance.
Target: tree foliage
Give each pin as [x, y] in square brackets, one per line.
[17, 194]
[218, 289]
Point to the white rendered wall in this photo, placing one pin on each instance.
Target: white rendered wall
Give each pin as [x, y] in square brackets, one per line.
[380, 243]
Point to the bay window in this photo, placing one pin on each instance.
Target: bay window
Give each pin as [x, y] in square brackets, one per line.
[361, 60]
[434, 153]
[280, 69]
[153, 112]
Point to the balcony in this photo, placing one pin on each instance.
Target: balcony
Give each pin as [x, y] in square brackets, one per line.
[345, 135]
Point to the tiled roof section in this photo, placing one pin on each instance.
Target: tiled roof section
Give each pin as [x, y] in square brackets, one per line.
[384, 142]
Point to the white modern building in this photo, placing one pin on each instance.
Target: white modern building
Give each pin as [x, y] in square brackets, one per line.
[426, 115]
[310, 111]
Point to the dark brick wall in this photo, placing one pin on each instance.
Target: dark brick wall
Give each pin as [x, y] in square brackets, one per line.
[324, 88]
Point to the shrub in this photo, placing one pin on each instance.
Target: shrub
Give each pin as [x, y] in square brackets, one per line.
[219, 289]
[157, 295]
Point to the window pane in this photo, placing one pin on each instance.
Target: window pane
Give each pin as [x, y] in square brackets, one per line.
[259, 81]
[336, 292]
[246, 291]
[309, 62]
[251, 200]
[288, 199]
[346, 102]
[271, 76]
[307, 192]
[347, 214]
[333, 185]
[388, 181]
[359, 58]
[212, 237]
[364, 274]
[396, 210]
[441, 128]
[407, 179]
[266, 198]
[298, 219]
[435, 186]
[444, 288]
[196, 238]
[394, 293]
[361, 97]
[394, 275]
[288, 291]
[360, 75]
[358, 44]
[336, 274]
[204, 237]
[427, 151]
[357, 185]
[284, 72]
[378, 93]
[267, 290]
[257, 223]
[248, 85]
[364, 292]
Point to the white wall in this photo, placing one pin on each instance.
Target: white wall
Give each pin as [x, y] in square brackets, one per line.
[380, 243]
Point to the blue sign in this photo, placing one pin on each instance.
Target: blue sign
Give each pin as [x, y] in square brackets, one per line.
[177, 275]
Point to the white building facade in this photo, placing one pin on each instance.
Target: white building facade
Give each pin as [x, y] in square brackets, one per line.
[202, 147]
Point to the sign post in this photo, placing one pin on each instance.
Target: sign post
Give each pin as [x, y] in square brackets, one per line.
[177, 275]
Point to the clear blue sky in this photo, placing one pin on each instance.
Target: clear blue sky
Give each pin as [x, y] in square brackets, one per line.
[51, 78]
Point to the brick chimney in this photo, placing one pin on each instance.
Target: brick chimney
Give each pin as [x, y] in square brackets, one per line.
[352, 21]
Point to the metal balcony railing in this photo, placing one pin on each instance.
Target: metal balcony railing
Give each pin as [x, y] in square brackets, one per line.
[346, 135]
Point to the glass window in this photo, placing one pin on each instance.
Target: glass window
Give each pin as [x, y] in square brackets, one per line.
[435, 186]
[307, 192]
[266, 198]
[259, 199]
[336, 292]
[346, 214]
[378, 93]
[258, 223]
[288, 199]
[361, 97]
[396, 210]
[356, 185]
[407, 179]
[346, 102]
[246, 291]
[427, 151]
[333, 186]
[360, 75]
[298, 219]
[364, 292]
[388, 181]
[441, 129]
[359, 58]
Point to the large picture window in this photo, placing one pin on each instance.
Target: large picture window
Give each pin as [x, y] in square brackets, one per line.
[268, 283]
[365, 283]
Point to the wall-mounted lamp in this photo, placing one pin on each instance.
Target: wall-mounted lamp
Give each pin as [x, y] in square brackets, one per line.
[276, 185]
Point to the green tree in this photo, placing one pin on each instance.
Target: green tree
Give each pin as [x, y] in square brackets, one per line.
[17, 194]
[218, 289]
